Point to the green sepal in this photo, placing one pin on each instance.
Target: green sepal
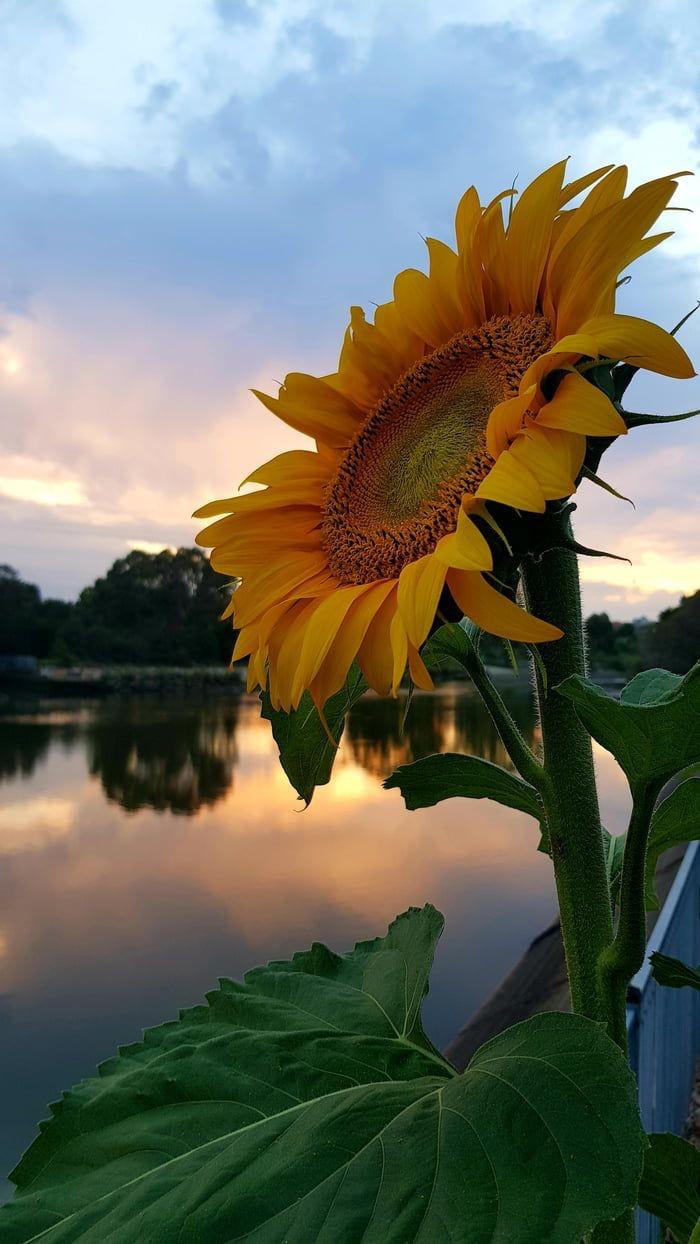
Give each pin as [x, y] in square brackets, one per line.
[636, 419]
[307, 1104]
[448, 775]
[601, 483]
[673, 973]
[670, 1185]
[306, 752]
[652, 731]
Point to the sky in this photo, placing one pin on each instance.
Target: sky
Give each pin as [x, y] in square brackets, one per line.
[192, 193]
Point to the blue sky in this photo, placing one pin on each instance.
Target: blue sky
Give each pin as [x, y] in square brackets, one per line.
[192, 192]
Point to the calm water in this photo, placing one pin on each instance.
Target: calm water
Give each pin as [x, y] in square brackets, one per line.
[150, 846]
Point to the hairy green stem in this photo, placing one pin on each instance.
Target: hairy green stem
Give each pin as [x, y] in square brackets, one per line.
[570, 793]
[571, 804]
[625, 956]
[524, 760]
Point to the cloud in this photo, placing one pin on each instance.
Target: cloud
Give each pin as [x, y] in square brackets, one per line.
[189, 205]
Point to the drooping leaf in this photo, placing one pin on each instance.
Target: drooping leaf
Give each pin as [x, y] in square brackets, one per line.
[653, 731]
[673, 973]
[308, 1105]
[675, 820]
[448, 775]
[306, 752]
[670, 1186]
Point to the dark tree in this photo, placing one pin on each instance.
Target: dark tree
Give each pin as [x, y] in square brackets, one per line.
[674, 641]
[28, 624]
[153, 609]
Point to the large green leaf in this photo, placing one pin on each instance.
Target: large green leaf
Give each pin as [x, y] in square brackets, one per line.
[306, 752]
[675, 820]
[653, 731]
[673, 972]
[670, 1187]
[308, 1105]
[444, 776]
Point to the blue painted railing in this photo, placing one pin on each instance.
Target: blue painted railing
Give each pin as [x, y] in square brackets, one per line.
[663, 1025]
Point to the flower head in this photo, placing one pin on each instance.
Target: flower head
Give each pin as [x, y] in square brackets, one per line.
[464, 390]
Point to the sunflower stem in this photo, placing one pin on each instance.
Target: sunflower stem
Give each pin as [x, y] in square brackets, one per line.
[569, 788]
[625, 956]
[526, 763]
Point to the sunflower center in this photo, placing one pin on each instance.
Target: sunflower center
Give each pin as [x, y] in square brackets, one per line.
[398, 488]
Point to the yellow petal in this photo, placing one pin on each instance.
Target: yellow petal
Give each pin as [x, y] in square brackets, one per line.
[469, 275]
[347, 642]
[465, 548]
[505, 421]
[444, 265]
[285, 648]
[415, 306]
[528, 237]
[304, 493]
[572, 188]
[324, 624]
[610, 190]
[420, 585]
[312, 406]
[578, 406]
[376, 657]
[548, 455]
[496, 613]
[490, 250]
[418, 670]
[511, 483]
[593, 259]
[290, 468]
[246, 642]
[259, 593]
[640, 342]
[399, 651]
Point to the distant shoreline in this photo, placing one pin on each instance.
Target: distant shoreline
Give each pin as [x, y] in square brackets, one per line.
[115, 679]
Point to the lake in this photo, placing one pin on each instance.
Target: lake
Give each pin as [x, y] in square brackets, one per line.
[151, 845]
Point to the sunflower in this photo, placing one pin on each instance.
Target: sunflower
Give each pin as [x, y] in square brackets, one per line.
[463, 391]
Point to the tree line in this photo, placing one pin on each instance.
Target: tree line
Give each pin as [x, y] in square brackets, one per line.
[149, 609]
[163, 609]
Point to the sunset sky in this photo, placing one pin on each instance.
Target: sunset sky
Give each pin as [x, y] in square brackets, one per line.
[192, 192]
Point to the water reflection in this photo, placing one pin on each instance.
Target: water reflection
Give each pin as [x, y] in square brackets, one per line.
[182, 756]
[150, 847]
[147, 759]
[382, 735]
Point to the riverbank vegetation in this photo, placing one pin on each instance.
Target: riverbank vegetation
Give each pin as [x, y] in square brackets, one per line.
[161, 609]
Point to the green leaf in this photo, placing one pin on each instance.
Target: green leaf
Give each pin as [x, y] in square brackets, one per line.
[306, 752]
[673, 973]
[670, 1187]
[307, 1105]
[456, 642]
[675, 820]
[650, 687]
[448, 775]
[614, 853]
[653, 731]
